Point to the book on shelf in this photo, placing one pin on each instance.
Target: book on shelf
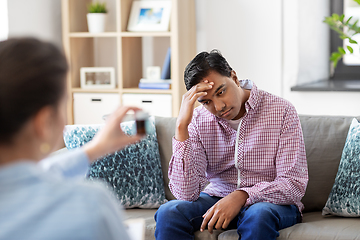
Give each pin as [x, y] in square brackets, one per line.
[146, 80]
[165, 73]
[158, 85]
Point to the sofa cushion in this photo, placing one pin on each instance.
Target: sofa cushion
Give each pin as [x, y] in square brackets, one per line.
[134, 173]
[344, 197]
[165, 131]
[150, 224]
[313, 227]
[324, 138]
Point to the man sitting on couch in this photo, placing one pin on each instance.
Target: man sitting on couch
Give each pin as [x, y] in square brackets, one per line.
[247, 143]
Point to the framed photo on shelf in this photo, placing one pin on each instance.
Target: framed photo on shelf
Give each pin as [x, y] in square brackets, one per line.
[149, 16]
[97, 77]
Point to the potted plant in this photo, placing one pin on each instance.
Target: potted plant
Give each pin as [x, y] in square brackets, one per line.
[346, 29]
[96, 17]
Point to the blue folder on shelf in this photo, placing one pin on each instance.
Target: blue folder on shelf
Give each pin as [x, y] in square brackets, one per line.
[165, 73]
[154, 85]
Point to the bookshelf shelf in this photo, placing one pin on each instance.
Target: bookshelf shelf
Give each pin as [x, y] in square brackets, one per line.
[87, 34]
[153, 91]
[82, 90]
[127, 52]
[146, 34]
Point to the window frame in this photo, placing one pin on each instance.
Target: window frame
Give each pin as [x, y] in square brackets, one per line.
[342, 71]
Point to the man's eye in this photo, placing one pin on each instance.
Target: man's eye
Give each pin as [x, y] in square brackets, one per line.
[205, 102]
[221, 92]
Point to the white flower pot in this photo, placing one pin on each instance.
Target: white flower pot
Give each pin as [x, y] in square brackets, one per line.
[96, 22]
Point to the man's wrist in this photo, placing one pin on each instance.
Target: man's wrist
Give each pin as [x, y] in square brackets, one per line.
[181, 133]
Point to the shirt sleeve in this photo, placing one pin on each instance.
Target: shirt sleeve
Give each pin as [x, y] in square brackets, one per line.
[72, 164]
[109, 218]
[291, 178]
[187, 167]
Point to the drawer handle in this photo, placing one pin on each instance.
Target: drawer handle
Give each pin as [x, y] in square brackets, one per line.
[146, 101]
[96, 99]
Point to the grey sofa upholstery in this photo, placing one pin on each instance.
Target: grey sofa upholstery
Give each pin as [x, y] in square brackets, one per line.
[324, 140]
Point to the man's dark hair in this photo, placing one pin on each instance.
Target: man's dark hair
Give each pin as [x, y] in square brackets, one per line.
[32, 76]
[201, 66]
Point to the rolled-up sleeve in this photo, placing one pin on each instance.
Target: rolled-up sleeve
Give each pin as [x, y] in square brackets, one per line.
[72, 164]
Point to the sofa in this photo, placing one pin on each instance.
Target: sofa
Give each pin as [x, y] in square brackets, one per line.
[324, 138]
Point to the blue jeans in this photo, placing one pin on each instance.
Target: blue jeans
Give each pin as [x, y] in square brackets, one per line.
[180, 219]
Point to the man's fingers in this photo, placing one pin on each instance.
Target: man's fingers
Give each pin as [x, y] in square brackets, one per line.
[207, 216]
[200, 87]
[212, 222]
[225, 224]
[219, 223]
[196, 96]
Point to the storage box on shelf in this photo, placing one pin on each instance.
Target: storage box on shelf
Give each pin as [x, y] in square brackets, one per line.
[129, 53]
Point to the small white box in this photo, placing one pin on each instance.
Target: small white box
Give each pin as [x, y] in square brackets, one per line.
[155, 104]
[89, 108]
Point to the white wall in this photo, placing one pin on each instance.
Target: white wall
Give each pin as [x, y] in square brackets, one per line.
[37, 18]
[248, 33]
[306, 56]
[4, 24]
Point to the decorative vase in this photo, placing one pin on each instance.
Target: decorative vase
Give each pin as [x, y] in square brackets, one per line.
[96, 22]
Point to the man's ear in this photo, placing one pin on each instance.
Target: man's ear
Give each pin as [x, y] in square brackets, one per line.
[235, 78]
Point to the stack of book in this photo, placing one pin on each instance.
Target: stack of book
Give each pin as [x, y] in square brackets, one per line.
[155, 83]
[164, 82]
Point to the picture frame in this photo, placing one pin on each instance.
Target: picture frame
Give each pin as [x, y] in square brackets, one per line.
[97, 77]
[149, 16]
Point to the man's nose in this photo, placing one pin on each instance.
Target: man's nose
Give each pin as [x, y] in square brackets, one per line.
[219, 106]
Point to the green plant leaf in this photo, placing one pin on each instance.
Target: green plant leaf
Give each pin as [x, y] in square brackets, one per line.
[335, 17]
[347, 22]
[342, 17]
[355, 23]
[341, 50]
[97, 7]
[351, 50]
[352, 41]
[335, 63]
[358, 1]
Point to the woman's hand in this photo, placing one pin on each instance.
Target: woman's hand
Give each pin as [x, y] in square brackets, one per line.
[187, 107]
[111, 138]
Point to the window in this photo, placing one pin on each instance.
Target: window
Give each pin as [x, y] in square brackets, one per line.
[4, 22]
[348, 68]
[346, 76]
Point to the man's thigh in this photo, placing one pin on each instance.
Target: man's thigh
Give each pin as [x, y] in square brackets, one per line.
[189, 211]
[283, 215]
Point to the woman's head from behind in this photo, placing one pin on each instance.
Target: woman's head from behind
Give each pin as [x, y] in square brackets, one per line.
[32, 90]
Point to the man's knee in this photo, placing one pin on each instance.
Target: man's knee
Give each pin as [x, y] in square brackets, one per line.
[170, 210]
[262, 211]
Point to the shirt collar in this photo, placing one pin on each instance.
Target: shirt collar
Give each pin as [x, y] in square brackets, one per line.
[253, 100]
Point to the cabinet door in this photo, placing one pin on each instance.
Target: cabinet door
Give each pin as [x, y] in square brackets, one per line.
[89, 108]
[154, 104]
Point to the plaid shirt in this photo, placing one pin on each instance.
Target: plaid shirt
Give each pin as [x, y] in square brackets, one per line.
[270, 163]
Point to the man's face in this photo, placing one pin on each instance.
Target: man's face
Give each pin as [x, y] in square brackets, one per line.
[226, 99]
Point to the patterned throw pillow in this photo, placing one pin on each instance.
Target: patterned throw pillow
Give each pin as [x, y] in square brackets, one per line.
[134, 173]
[344, 198]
